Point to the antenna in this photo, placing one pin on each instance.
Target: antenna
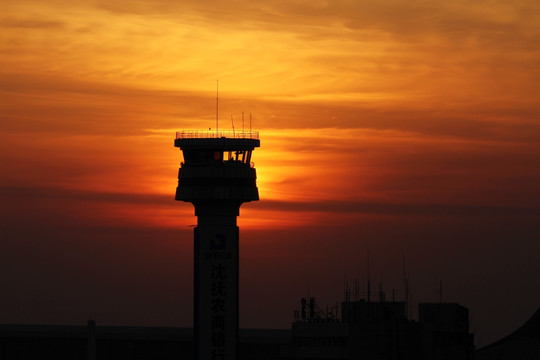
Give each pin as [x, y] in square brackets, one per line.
[368, 280]
[242, 122]
[232, 121]
[408, 297]
[440, 292]
[405, 285]
[217, 107]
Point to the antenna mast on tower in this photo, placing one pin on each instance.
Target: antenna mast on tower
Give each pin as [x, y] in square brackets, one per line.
[217, 107]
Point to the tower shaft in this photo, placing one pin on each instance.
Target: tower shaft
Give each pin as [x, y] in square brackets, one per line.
[216, 287]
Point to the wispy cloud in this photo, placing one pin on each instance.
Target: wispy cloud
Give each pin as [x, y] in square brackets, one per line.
[30, 23]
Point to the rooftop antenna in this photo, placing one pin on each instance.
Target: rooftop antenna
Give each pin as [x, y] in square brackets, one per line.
[408, 299]
[405, 286]
[440, 292]
[242, 122]
[217, 107]
[232, 121]
[368, 280]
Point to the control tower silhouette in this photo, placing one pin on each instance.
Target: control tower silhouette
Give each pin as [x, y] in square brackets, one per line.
[216, 176]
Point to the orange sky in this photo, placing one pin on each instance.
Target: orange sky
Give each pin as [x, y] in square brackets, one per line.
[402, 127]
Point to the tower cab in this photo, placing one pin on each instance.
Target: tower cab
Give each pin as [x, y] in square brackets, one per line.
[216, 157]
[217, 166]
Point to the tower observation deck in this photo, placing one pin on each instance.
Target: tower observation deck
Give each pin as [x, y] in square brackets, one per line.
[216, 176]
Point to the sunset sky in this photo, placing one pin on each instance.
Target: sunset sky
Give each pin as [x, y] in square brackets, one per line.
[406, 129]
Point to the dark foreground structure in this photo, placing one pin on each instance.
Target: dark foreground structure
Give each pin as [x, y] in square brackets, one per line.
[49, 342]
[381, 330]
[216, 176]
[523, 344]
[374, 330]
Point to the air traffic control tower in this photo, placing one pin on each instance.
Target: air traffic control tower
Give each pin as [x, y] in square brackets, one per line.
[216, 176]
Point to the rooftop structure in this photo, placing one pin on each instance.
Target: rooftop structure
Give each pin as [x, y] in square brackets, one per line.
[382, 330]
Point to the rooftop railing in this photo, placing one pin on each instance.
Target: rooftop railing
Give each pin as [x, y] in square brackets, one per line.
[212, 134]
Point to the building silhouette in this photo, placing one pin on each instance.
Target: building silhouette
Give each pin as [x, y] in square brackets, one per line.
[380, 330]
[365, 330]
[216, 176]
[58, 342]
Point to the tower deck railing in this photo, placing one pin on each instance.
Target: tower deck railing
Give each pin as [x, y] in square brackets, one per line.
[213, 134]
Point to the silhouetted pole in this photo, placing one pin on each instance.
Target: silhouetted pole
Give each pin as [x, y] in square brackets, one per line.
[91, 341]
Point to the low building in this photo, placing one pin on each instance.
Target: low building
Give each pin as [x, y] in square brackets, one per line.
[381, 330]
[55, 342]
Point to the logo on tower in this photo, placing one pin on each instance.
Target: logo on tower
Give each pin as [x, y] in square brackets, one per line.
[219, 242]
